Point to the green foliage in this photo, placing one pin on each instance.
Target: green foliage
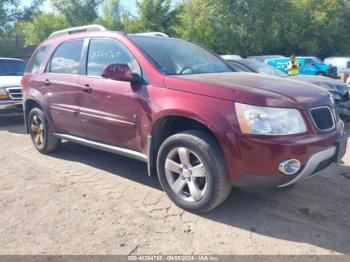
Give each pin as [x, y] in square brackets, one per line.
[10, 12]
[78, 12]
[155, 15]
[112, 15]
[245, 27]
[248, 27]
[42, 25]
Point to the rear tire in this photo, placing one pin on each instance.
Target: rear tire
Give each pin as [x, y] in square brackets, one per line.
[192, 171]
[320, 74]
[42, 137]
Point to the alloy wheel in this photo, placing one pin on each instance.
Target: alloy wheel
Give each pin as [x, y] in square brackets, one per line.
[38, 131]
[186, 174]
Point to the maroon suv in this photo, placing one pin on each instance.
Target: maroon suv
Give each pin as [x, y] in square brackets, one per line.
[179, 107]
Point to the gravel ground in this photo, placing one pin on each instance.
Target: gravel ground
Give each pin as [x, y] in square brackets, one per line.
[83, 201]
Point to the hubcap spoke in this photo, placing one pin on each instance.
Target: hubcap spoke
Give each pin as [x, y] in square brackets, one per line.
[172, 166]
[178, 185]
[35, 119]
[34, 128]
[194, 190]
[198, 171]
[37, 139]
[184, 155]
[41, 138]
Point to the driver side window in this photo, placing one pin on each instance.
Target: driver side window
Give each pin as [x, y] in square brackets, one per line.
[105, 51]
[308, 62]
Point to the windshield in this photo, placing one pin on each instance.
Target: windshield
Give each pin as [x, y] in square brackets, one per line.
[319, 61]
[11, 67]
[263, 68]
[179, 57]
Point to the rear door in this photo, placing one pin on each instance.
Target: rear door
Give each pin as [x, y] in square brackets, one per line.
[109, 109]
[60, 85]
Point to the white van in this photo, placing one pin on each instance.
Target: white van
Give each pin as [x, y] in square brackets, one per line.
[342, 63]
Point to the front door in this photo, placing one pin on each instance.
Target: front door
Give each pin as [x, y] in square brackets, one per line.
[109, 109]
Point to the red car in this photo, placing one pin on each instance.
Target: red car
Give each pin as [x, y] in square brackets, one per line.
[200, 127]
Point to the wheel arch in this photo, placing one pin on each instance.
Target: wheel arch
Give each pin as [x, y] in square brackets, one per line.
[168, 125]
[28, 105]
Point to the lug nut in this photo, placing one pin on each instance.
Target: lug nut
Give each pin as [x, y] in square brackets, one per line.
[180, 170]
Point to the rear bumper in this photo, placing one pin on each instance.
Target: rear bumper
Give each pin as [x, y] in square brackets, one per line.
[9, 107]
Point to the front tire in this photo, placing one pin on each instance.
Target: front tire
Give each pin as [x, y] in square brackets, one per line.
[192, 171]
[42, 137]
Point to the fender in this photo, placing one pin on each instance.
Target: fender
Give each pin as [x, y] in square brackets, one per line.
[38, 98]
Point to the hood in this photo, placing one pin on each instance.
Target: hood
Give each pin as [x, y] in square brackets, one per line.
[330, 84]
[10, 81]
[252, 88]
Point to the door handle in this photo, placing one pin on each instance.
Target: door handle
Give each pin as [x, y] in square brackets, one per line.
[86, 88]
[47, 82]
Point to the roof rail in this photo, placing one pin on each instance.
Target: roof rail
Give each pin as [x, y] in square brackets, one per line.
[79, 29]
[152, 34]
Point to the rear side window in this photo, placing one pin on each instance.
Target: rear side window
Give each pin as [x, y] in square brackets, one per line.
[66, 59]
[103, 52]
[37, 59]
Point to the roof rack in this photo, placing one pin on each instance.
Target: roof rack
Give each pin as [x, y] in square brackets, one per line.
[160, 34]
[79, 29]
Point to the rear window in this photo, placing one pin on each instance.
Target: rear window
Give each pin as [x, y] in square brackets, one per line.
[66, 59]
[37, 59]
[11, 67]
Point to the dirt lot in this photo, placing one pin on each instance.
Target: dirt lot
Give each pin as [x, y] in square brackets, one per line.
[84, 201]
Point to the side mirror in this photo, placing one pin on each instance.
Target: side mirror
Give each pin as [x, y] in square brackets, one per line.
[120, 72]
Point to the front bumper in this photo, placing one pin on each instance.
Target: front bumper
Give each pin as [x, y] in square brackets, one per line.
[8, 107]
[314, 164]
[258, 158]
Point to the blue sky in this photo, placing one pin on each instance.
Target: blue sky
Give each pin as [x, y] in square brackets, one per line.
[129, 5]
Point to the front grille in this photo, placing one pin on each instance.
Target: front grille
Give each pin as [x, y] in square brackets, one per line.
[332, 69]
[322, 117]
[15, 93]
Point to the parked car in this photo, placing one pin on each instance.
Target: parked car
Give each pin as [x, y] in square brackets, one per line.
[197, 124]
[226, 57]
[309, 66]
[262, 58]
[338, 89]
[11, 71]
[342, 63]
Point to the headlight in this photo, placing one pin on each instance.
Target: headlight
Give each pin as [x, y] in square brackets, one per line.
[273, 121]
[3, 94]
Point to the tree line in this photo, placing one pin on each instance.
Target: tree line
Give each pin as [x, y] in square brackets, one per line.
[244, 27]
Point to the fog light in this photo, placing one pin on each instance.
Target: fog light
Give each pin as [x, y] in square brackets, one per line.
[289, 167]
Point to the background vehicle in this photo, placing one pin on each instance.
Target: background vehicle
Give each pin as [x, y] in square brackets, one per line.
[309, 66]
[338, 89]
[342, 63]
[200, 126]
[262, 58]
[11, 71]
[226, 57]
